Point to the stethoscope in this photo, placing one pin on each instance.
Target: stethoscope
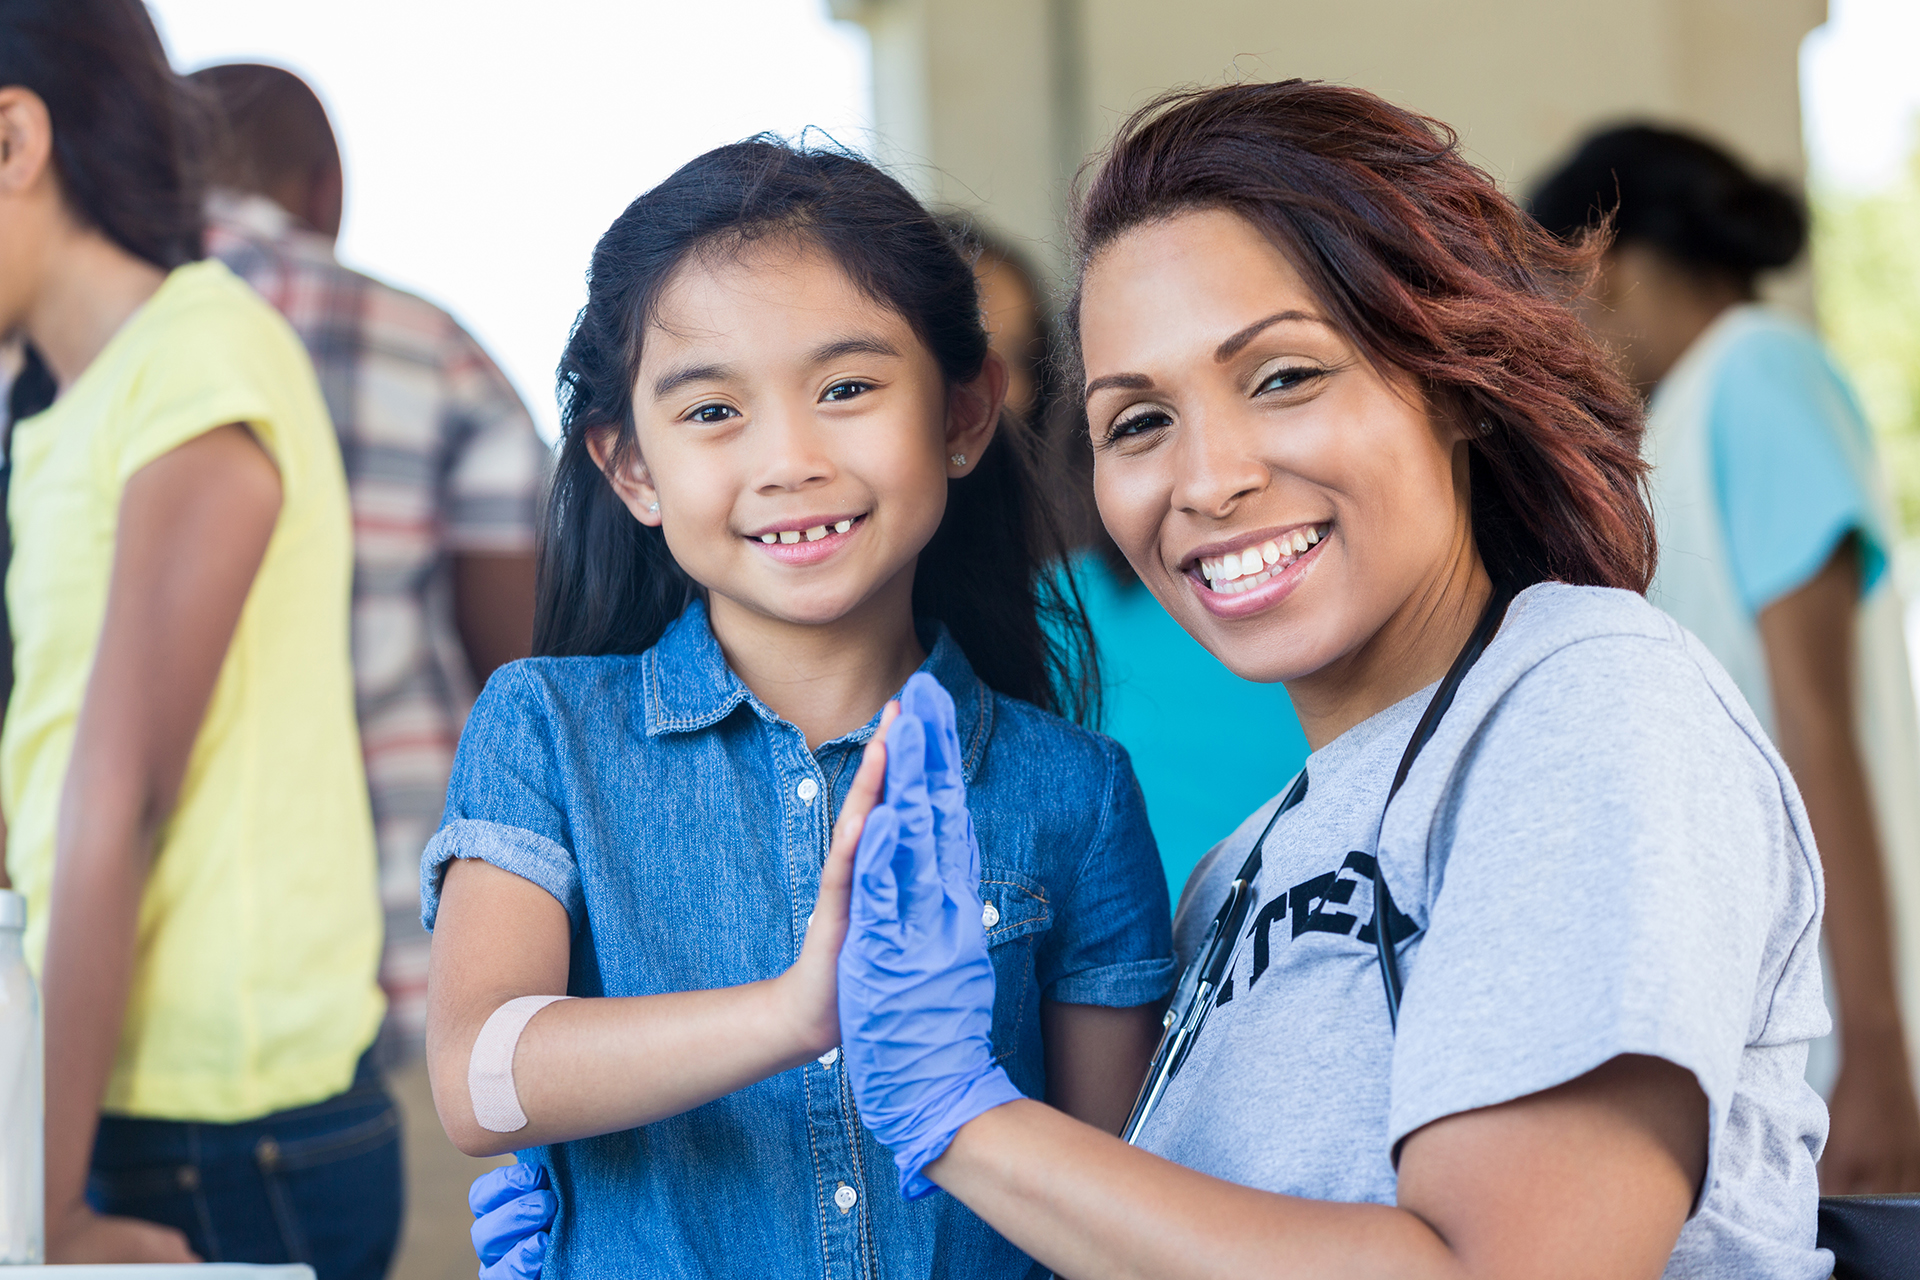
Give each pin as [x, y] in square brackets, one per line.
[1193, 998]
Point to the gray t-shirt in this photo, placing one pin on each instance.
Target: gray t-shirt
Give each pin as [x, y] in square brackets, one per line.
[1602, 854]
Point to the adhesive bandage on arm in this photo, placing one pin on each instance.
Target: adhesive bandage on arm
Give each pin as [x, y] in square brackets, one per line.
[496, 1104]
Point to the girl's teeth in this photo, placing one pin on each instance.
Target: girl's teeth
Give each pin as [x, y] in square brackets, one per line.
[843, 526]
[816, 533]
[769, 537]
[1270, 552]
[789, 535]
[1300, 542]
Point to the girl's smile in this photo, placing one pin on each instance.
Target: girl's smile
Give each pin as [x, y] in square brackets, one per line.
[808, 541]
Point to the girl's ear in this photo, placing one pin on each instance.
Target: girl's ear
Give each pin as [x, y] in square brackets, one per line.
[626, 472]
[973, 414]
[26, 139]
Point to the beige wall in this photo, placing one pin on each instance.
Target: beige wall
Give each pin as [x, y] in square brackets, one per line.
[987, 104]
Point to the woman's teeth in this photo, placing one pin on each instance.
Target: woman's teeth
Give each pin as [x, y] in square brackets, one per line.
[814, 534]
[1239, 571]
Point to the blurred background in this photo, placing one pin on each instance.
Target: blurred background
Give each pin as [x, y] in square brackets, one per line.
[486, 150]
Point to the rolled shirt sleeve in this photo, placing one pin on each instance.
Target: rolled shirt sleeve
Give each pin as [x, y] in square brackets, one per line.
[1113, 942]
[502, 805]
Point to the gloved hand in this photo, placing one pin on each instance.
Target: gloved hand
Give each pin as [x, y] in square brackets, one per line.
[513, 1211]
[916, 983]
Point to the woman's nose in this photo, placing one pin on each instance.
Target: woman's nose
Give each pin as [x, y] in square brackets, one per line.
[1215, 468]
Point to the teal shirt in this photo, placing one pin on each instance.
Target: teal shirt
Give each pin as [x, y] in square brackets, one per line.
[1208, 747]
[1791, 457]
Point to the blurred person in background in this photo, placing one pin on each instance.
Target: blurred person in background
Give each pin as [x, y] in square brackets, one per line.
[1773, 551]
[180, 774]
[1167, 700]
[443, 468]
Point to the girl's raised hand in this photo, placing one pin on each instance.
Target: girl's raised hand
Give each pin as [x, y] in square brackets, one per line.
[811, 994]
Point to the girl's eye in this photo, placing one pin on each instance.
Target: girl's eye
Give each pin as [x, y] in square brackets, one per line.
[712, 413]
[1138, 424]
[1289, 379]
[846, 390]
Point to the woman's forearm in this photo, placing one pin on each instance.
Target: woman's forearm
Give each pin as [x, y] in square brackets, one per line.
[1593, 1178]
[101, 870]
[1088, 1206]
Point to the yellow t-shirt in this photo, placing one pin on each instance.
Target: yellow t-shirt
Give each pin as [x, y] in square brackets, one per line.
[259, 933]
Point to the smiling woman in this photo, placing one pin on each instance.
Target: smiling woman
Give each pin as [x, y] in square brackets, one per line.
[1350, 434]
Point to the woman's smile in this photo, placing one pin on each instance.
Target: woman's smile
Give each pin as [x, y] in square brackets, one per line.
[1252, 574]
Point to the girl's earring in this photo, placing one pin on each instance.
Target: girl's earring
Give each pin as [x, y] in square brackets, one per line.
[958, 459]
[653, 508]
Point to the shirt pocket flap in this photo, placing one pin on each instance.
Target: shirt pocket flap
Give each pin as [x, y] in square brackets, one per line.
[1012, 905]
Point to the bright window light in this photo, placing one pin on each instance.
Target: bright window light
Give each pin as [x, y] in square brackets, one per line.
[486, 148]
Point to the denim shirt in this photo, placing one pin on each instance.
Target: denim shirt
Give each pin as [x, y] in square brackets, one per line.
[683, 825]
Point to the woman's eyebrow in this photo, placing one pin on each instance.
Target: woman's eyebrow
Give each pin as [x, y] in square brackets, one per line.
[1128, 381]
[1233, 346]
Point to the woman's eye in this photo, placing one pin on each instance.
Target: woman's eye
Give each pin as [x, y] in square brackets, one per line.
[712, 413]
[846, 390]
[1136, 424]
[1289, 379]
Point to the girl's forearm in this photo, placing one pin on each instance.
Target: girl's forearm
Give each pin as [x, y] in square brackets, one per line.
[593, 1066]
[1087, 1205]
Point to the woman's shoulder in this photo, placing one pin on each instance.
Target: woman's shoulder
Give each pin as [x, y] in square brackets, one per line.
[1570, 643]
[205, 310]
[204, 351]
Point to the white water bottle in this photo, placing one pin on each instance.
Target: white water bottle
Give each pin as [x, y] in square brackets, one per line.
[22, 1095]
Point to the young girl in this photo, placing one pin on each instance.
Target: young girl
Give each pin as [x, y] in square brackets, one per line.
[779, 496]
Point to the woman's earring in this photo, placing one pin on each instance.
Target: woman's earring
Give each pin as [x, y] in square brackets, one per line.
[654, 508]
[958, 459]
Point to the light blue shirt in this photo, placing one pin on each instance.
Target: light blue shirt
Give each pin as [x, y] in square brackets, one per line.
[1206, 745]
[1790, 451]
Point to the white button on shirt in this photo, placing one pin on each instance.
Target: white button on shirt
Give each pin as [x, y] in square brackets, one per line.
[845, 1198]
[807, 790]
[989, 915]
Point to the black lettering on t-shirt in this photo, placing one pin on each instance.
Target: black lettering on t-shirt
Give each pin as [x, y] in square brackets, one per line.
[1310, 899]
[1400, 926]
[1226, 991]
[1262, 923]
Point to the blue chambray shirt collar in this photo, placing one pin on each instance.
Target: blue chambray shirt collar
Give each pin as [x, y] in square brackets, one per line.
[690, 687]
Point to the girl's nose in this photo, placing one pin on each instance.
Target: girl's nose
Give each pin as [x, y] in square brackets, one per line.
[792, 451]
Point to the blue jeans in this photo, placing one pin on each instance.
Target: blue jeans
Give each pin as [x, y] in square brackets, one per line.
[319, 1184]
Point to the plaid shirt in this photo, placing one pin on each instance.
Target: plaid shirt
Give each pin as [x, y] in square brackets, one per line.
[441, 458]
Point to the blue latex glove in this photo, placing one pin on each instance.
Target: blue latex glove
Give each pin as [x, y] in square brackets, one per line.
[916, 983]
[513, 1212]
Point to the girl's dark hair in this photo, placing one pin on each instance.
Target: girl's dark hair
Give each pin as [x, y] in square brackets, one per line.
[1678, 193]
[608, 584]
[126, 142]
[1426, 267]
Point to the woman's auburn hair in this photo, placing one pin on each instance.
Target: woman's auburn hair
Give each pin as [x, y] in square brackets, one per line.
[1422, 262]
